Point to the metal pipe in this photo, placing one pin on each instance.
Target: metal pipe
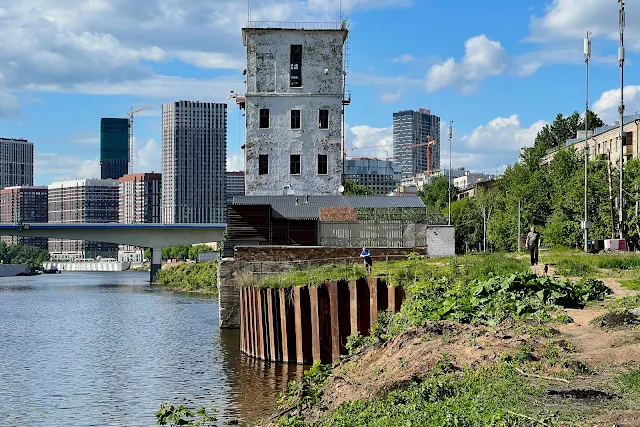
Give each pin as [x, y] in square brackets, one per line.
[450, 136]
[621, 111]
[587, 55]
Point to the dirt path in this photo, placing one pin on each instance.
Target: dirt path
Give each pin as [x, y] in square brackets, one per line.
[596, 346]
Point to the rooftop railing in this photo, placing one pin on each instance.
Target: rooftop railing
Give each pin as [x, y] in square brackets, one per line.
[335, 25]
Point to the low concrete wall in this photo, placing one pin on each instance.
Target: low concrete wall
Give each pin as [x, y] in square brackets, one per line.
[442, 241]
[9, 270]
[310, 323]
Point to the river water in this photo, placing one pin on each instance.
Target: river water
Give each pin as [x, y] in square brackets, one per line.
[106, 349]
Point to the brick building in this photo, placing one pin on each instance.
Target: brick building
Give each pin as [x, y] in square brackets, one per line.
[24, 204]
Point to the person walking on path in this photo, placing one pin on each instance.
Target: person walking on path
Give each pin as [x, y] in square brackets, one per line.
[533, 244]
[368, 261]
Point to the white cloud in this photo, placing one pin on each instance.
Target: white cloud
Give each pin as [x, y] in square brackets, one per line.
[235, 162]
[483, 58]
[378, 141]
[50, 167]
[571, 19]
[71, 45]
[403, 59]
[607, 105]
[390, 98]
[9, 106]
[147, 157]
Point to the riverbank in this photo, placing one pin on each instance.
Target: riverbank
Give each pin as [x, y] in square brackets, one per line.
[474, 350]
[199, 278]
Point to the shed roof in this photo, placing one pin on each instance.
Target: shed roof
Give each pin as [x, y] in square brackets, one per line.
[297, 207]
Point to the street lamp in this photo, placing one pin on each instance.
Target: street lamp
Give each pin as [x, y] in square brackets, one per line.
[587, 56]
[621, 111]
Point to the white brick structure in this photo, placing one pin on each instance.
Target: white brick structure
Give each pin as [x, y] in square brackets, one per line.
[294, 102]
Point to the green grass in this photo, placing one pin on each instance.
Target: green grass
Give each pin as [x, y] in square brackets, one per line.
[629, 302]
[575, 266]
[628, 382]
[631, 284]
[483, 397]
[201, 277]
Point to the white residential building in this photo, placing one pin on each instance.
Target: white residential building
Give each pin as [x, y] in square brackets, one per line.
[470, 179]
[16, 162]
[294, 101]
[194, 160]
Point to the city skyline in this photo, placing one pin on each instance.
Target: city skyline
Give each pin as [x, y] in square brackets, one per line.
[500, 75]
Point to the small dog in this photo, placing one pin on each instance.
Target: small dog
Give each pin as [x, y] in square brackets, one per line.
[546, 269]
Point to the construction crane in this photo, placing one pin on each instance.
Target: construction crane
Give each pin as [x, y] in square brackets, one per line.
[131, 140]
[429, 144]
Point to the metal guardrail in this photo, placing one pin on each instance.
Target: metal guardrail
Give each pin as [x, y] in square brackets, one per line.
[335, 25]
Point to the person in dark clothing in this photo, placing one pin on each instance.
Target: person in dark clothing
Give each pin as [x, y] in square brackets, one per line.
[533, 244]
[368, 261]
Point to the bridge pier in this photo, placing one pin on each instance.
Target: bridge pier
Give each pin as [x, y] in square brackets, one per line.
[156, 262]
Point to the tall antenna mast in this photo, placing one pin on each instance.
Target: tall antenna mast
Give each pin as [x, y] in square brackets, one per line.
[340, 10]
[248, 11]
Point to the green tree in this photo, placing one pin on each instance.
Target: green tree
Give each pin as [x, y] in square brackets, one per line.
[436, 194]
[21, 254]
[353, 189]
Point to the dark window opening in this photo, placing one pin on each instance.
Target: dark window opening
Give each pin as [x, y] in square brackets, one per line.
[323, 164]
[263, 164]
[264, 118]
[324, 119]
[294, 164]
[295, 72]
[295, 119]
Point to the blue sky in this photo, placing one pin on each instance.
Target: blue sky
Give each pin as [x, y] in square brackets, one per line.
[499, 69]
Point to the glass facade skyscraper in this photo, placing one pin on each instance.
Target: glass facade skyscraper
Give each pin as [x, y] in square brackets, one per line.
[114, 148]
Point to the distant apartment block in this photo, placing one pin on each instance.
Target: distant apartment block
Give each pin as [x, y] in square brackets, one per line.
[24, 204]
[470, 179]
[139, 200]
[234, 185]
[114, 148]
[294, 103]
[411, 128]
[421, 179]
[194, 159]
[16, 162]
[381, 176]
[83, 201]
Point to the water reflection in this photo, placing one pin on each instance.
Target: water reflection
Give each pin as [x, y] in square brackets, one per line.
[106, 349]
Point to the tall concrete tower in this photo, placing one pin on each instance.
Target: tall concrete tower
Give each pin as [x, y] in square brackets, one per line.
[294, 101]
[194, 161]
[409, 129]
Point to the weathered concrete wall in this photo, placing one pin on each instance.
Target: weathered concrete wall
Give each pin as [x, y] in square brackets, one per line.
[268, 86]
[441, 241]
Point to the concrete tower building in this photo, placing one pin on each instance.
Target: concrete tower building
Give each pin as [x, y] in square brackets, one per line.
[294, 102]
[16, 162]
[114, 148]
[411, 128]
[194, 161]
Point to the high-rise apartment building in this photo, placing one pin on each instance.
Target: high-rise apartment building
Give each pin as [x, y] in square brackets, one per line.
[294, 101]
[411, 128]
[140, 198]
[381, 176]
[234, 185]
[16, 162]
[114, 148]
[194, 160]
[24, 204]
[83, 201]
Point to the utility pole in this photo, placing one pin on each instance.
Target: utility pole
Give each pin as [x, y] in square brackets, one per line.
[613, 227]
[587, 56]
[450, 136]
[621, 111]
[519, 232]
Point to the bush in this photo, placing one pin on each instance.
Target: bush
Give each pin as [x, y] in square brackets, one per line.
[190, 277]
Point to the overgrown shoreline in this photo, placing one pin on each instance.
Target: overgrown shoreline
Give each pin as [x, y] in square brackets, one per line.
[201, 278]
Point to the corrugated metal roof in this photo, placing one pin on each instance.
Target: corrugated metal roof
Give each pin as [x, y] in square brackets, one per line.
[285, 206]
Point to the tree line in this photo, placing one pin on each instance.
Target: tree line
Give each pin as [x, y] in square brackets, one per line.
[20, 254]
[182, 252]
[549, 196]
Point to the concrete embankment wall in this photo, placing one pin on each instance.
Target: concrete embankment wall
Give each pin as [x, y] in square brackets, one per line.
[309, 323]
[9, 270]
